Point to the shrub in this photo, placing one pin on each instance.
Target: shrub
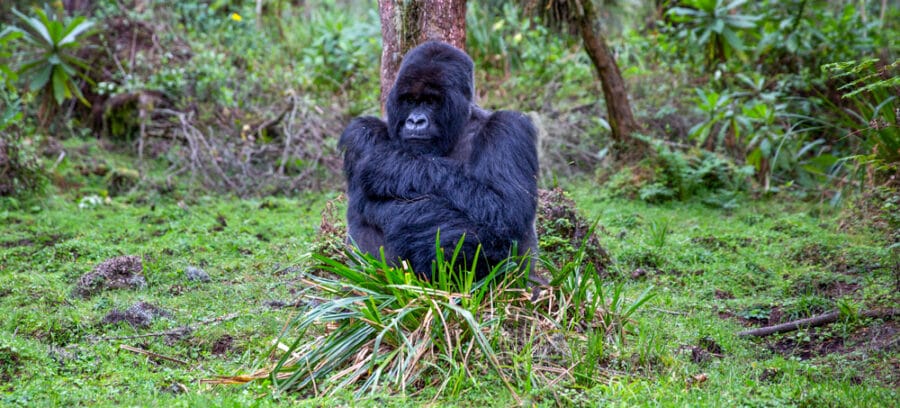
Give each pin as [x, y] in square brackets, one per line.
[53, 67]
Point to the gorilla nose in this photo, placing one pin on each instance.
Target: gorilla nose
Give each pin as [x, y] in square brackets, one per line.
[416, 121]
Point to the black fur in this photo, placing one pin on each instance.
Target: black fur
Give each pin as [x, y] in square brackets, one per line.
[466, 172]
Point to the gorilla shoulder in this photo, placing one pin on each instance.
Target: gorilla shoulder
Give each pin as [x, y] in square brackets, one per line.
[361, 132]
[510, 125]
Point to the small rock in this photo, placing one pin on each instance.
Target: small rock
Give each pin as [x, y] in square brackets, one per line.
[176, 388]
[222, 345]
[638, 273]
[196, 274]
[275, 304]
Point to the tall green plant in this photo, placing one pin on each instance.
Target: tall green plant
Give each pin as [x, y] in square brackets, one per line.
[8, 76]
[716, 25]
[873, 90]
[21, 171]
[53, 66]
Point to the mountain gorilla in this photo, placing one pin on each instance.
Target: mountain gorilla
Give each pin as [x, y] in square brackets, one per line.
[441, 164]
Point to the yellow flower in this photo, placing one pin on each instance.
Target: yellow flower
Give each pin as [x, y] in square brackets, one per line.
[236, 17]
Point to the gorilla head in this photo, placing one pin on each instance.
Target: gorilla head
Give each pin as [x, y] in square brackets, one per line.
[430, 103]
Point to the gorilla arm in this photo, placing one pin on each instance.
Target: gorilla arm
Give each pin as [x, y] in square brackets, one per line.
[495, 189]
[360, 139]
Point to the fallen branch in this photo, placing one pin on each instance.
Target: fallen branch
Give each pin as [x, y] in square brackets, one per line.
[151, 354]
[271, 123]
[178, 331]
[814, 321]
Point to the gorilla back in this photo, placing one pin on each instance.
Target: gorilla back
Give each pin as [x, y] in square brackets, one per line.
[441, 164]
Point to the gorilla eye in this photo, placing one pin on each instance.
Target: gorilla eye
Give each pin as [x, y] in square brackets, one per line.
[430, 99]
[421, 99]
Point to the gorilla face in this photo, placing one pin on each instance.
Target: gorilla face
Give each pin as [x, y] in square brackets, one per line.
[429, 105]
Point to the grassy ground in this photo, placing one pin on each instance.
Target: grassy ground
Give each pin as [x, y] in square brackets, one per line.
[714, 272]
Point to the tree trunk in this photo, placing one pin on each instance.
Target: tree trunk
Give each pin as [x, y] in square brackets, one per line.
[408, 23]
[618, 109]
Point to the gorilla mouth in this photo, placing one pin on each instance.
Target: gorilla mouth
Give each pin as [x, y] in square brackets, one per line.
[417, 136]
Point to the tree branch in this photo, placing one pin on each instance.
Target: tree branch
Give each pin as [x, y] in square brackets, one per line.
[814, 321]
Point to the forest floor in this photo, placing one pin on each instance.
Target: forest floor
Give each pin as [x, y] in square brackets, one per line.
[220, 281]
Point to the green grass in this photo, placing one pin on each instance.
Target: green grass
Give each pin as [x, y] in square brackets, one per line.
[710, 270]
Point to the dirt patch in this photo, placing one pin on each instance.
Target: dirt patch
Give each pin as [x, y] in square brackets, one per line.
[706, 349]
[140, 315]
[756, 316]
[46, 241]
[723, 294]
[222, 345]
[831, 286]
[839, 289]
[221, 224]
[838, 260]
[813, 254]
[820, 342]
[276, 304]
[770, 374]
[115, 273]
[10, 364]
[17, 243]
[638, 273]
[713, 243]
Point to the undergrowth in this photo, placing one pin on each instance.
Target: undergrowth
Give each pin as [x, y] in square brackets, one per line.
[387, 329]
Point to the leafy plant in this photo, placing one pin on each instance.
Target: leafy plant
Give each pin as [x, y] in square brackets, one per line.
[757, 125]
[683, 175]
[875, 119]
[8, 75]
[797, 35]
[53, 66]
[21, 171]
[715, 25]
[12, 109]
[716, 108]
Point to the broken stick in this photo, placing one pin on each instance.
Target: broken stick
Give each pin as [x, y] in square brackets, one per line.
[814, 321]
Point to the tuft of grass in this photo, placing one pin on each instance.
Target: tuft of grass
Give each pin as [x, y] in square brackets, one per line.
[387, 329]
[659, 231]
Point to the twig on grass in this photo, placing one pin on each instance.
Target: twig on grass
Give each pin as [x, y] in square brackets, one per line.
[814, 321]
[178, 331]
[670, 312]
[151, 354]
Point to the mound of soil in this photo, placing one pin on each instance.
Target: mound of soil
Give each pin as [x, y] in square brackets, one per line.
[116, 273]
[562, 230]
[140, 315]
